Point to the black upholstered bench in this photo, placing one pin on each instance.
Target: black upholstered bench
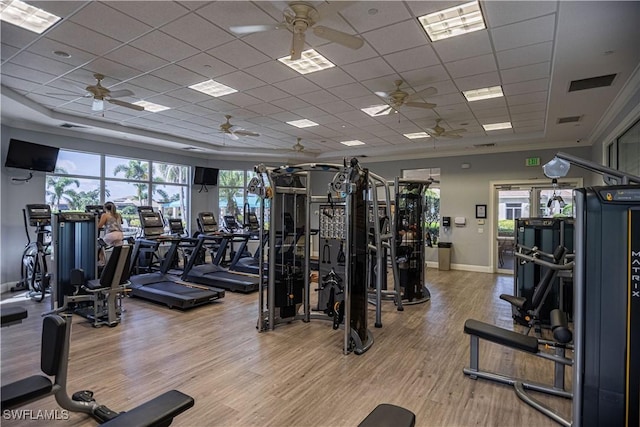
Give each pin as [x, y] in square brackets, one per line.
[387, 415]
[11, 315]
[159, 411]
[501, 336]
[35, 387]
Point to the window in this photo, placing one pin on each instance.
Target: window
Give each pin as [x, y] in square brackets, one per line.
[624, 153]
[82, 179]
[232, 195]
[513, 210]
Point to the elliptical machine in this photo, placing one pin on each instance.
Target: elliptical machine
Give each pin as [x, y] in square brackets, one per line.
[34, 275]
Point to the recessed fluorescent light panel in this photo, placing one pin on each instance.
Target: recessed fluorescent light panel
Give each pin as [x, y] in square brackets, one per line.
[310, 62]
[376, 110]
[455, 21]
[304, 123]
[150, 106]
[352, 143]
[484, 93]
[416, 135]
[213, 88]
[26, 16]
[497, 126]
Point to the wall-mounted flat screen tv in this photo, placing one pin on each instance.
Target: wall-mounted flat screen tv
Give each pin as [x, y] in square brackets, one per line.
[35, 157]
[205, 176]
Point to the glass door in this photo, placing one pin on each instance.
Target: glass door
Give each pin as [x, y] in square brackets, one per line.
[513, 202]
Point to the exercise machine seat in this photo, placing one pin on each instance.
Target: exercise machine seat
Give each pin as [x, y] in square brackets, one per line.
[387, 415]
[501, 336]
[12, 314]
[514, 300]
[31, 388]
[159, 411]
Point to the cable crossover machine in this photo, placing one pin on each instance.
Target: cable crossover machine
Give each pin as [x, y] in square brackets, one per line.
[341, 235]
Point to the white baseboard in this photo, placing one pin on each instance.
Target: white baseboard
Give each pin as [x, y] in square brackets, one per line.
[463, 267]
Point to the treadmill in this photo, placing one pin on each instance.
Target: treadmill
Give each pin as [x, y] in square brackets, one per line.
[160, 286]
[215, 275]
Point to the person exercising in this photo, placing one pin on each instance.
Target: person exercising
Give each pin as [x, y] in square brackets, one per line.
[111, 220]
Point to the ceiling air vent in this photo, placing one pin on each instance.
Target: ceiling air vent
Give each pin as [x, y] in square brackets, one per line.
[491, 144]
[569, 119]
[592, 82]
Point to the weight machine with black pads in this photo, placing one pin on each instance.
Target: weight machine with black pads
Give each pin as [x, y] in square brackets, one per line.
[344, 248]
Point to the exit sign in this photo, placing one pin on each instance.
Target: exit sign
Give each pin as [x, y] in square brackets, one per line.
[532, 161]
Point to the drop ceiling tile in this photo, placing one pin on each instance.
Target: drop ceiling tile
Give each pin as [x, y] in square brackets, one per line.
[528, 116]
[164, 46]
[486, 104]
[267, 93]
[227, 13]
[14, 36]
[406, 34]
[101, 18]
[368, 69]
[472, 66]
[465, 46]
[525, 87]
[31, 75]
[291, 103]
[240, 81]
[7, 51]
[366, 101]
[30, 60]
[156, 16]
[188, 95]
[526, 55]
[528, 129]
[135, 58]
[111, 69]
[528, 98]
[272, 72]
[318, 97]
[45, 47]
[347, 91]
[330, 78]
[478, 81]
[411, 59]
[335, 107]
[154, 83]
[451, 104]
[507, 12]
[192, 29]
[265, 109]
[360, 14]
[206, 65]
[22, 86]
[82, 38]
[526, 33]
[241, 99]
[341, 55]
[297, 86]
[528, 124]
[492, 112]
[311, 112]
[275, 44]
[528, 108]
[528, 72]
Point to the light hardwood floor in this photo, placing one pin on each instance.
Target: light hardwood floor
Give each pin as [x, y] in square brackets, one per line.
[297, 374]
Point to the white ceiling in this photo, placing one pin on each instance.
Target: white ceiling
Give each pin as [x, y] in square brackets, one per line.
[157, 49]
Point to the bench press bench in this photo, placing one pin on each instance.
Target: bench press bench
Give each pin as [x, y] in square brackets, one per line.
[12, 315]
[54, 361]
[562, 335]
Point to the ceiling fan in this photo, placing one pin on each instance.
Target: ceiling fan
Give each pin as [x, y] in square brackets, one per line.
[300, 16]
[438, 131]
[100, 94]
[399, 97]
[233, 131]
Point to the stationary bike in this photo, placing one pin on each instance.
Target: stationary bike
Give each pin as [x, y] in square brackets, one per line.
[34, 275]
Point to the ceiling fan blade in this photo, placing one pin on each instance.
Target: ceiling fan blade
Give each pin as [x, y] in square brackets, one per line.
[297, 46]
[120, 93]
[457, 131]
[233, 136]
[126, 104]
[384, 110]
[420, 104]
[382, 94]
[430, 91]
[97, 105]
[450, 135]
[249, 29]
[339, 37]
[243, 132]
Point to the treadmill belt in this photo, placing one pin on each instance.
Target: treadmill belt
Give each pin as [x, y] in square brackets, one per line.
[175, 294]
